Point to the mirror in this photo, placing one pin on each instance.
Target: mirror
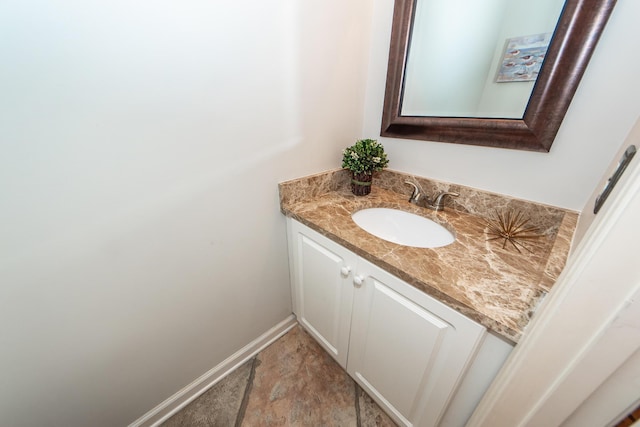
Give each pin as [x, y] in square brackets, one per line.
[476, 58]
[531, 127]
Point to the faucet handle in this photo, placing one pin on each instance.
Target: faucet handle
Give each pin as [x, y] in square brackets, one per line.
[438, 202]
[415, 195]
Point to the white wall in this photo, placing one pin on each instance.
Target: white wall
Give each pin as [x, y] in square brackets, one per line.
[458, 36]
[600, 116]
[140, 148]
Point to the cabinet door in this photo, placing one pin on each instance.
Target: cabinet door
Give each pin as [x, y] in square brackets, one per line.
[322, 288]
[407, 350]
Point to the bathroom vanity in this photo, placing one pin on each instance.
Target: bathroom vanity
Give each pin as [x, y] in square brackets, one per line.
[423, 331]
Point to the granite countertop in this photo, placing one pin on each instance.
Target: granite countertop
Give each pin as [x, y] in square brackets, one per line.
[496, 286]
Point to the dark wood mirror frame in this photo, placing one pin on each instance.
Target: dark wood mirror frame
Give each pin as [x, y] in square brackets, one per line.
[572, 45]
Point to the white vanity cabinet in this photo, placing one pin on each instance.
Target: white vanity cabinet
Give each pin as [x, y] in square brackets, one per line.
[322, 287]
[408, 351]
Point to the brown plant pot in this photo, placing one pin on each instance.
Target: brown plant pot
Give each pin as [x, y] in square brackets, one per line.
[361, 183]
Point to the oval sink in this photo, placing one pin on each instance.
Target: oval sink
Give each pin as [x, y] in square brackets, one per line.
[403, 228]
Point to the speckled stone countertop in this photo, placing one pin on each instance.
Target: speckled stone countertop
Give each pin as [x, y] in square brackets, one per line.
[496, 286]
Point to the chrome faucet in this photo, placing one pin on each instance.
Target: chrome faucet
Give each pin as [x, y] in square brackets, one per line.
[438, 202]
[415, 195]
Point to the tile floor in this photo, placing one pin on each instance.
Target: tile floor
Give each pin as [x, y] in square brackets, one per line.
[293, 382]
[631, 419]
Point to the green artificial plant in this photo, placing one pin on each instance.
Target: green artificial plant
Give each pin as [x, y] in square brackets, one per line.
[364, 157]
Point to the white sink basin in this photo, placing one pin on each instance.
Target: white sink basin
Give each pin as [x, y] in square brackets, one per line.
[403, 228]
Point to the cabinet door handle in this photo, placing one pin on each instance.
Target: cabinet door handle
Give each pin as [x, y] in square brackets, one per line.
[345, 271]
[358, 280]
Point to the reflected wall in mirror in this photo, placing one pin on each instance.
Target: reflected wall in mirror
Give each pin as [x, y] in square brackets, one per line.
[457, 50]
[444, 61]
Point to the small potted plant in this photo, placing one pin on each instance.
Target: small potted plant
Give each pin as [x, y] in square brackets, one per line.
[364, 158]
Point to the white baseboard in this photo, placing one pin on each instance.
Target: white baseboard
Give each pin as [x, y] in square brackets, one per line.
[182, 398]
